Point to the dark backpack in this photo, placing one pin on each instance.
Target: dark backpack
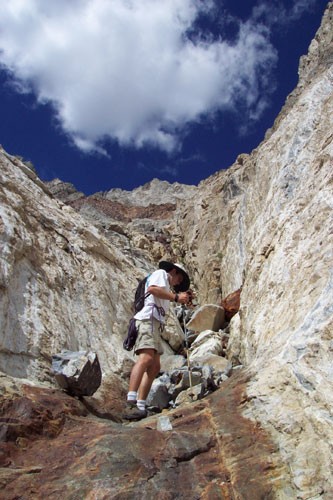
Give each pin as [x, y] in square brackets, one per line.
[139, 300]
[132, 334]
[140, 295]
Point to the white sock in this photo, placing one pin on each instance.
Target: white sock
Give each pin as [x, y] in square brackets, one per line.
[141, 404]
[131, 396]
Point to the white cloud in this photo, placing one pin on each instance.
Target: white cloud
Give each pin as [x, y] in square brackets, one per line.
[275, 13]
[126, 69]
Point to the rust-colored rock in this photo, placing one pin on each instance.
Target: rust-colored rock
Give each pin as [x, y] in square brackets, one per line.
[231, 304]
[212, 452]
[124, 213]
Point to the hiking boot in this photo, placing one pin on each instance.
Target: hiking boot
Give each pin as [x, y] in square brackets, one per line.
[130, 403]
[133, 413]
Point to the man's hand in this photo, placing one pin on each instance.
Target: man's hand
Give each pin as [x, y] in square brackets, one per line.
[186, 297]
[183, 298]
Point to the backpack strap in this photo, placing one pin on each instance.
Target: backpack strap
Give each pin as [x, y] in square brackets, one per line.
[161, 313]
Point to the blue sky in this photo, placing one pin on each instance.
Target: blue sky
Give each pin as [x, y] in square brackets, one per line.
[113, 94]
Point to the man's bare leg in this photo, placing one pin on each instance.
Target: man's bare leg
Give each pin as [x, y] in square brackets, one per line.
[149, 377]
[144, 362]
[142, 376]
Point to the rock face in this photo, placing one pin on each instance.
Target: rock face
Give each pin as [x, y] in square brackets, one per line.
[135, 221]
[63, 285]
[264, 225]
[155, 192]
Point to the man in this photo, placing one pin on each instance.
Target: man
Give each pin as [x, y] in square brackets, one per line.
[169, 283]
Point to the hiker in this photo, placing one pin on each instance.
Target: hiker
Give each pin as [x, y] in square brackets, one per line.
[168, 284]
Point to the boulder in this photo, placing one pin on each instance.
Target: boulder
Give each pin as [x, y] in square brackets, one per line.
[188, 378]
[231, 304]
[167, 349]
[207, 317]
[208, 342]
[79, 373]
[158, 396]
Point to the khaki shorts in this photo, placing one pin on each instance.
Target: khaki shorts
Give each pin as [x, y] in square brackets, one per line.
[148, 339]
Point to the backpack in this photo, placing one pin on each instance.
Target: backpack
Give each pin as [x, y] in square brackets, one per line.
[132, 334]
[140, 295]
[139, 300]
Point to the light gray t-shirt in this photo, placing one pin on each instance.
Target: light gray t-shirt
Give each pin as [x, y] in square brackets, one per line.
[157, 278]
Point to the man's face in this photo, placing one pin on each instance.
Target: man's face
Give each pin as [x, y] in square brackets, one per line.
[176, 277]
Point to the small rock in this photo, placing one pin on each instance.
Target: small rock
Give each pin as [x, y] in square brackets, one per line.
[164, 424]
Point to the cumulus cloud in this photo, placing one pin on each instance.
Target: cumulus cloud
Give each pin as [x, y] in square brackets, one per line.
[127, 70]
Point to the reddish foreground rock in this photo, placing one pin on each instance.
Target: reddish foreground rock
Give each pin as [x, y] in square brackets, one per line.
[53, 448]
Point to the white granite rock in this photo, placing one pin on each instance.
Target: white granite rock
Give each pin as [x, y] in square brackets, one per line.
[207, 342]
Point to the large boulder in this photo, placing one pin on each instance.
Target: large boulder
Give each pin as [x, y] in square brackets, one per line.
[79, 373]
[207, 317]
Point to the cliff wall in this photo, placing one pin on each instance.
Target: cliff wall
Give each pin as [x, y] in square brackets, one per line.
[267, 225]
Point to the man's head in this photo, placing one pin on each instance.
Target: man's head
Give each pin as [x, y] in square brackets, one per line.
[176, 278]
[180, 279]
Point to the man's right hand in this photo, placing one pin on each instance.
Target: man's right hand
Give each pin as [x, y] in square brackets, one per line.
[183, 298]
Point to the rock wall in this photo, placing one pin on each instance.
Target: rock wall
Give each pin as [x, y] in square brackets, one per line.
[63, 284]
[266, 224]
